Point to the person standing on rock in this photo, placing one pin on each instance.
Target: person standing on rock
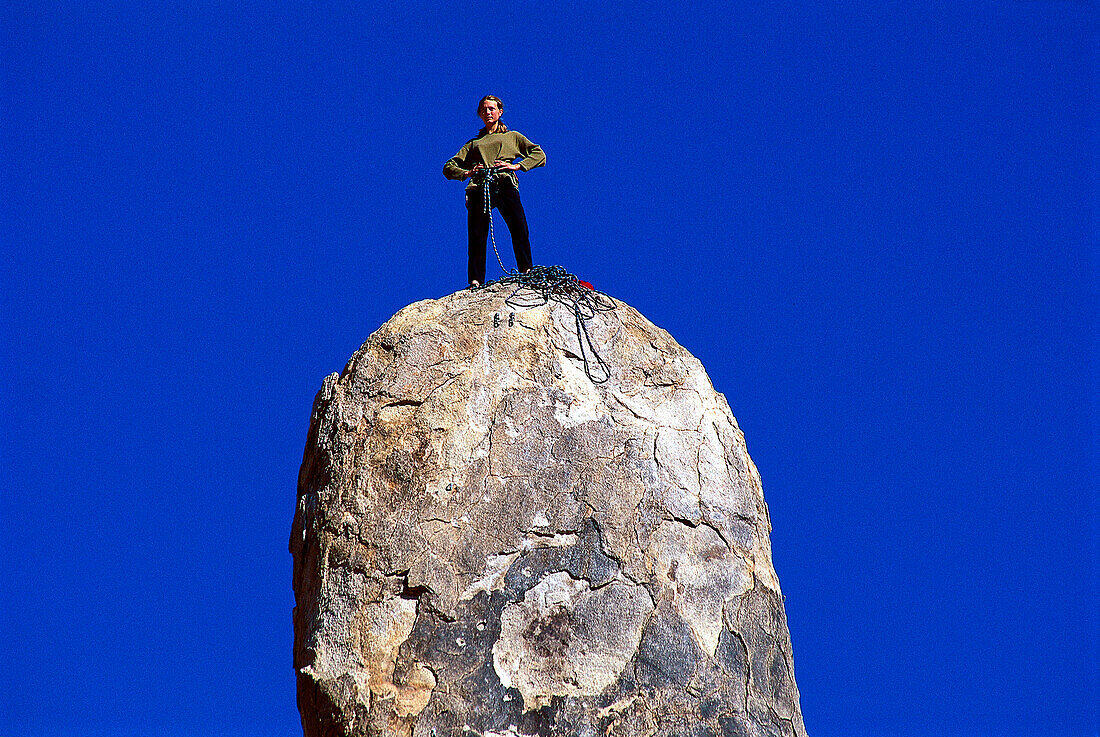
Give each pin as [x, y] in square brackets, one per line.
[489, 160]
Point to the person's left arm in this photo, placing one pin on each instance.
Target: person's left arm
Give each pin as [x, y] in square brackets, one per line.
[531, 152]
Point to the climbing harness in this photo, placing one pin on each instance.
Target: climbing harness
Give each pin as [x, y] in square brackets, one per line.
[486, 178]
[544, 284]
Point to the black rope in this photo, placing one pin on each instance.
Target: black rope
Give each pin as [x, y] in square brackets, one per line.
[544, 284]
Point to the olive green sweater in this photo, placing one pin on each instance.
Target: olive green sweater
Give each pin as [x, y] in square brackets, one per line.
[487, 148]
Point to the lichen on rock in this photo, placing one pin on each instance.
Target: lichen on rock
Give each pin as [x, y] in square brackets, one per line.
[486, 542]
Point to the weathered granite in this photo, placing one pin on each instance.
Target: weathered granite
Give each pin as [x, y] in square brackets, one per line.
[488, 543]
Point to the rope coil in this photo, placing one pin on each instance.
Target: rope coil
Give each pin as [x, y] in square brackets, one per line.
[544, 284]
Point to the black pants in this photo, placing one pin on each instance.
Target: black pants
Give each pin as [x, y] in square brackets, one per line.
[505, 198]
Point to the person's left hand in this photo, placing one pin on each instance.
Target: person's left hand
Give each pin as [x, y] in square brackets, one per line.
[506, 165]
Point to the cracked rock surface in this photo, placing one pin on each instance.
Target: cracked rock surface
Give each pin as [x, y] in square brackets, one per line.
[487, 543]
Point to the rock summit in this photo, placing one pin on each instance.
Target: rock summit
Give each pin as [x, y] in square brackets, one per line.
[489, 543]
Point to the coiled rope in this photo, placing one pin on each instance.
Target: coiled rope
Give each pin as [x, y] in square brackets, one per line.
[544, 284]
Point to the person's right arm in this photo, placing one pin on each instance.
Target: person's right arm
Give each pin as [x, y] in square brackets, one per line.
[455, 168]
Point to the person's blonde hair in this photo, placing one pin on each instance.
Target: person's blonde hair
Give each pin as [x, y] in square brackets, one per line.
[501, 127]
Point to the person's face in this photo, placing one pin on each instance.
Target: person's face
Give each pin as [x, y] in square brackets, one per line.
[489, 113]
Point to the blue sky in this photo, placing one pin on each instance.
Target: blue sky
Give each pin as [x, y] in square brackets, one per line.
[875, 224]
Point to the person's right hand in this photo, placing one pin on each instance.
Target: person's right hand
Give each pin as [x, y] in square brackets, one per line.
[470, 172]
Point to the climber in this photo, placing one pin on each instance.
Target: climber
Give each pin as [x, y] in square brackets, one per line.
[489, 160]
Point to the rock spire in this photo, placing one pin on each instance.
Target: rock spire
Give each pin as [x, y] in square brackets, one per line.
[488, 543]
